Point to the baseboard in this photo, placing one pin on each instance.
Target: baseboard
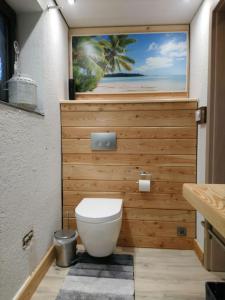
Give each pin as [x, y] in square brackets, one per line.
[31, 284]
[198, 251]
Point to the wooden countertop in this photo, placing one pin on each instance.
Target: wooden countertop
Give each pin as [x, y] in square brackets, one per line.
[209, 200]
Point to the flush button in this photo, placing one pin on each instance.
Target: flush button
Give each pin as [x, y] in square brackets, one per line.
[103, 141]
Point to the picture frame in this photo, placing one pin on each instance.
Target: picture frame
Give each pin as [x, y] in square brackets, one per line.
[171, 38]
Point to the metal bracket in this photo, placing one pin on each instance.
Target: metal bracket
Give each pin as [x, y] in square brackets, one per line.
[143, 173]
[201, 115]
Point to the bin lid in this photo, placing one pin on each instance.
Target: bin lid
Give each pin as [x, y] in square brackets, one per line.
[64, 234]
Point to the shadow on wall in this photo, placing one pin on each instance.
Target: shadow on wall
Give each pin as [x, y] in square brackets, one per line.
[28, 26]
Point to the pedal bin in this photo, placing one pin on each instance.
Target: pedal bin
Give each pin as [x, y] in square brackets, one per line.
[65, 242]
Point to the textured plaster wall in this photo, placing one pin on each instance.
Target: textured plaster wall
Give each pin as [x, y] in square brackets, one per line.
[199, 64]
[30, 171]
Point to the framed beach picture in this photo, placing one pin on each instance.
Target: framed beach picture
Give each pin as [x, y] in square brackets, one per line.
[130, 62]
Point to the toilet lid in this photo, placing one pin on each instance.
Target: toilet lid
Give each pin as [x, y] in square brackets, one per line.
[99, 210]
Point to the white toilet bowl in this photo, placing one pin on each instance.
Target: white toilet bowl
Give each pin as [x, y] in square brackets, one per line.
[98, 224]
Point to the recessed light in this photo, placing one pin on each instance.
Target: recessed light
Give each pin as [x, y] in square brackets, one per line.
[71, 2]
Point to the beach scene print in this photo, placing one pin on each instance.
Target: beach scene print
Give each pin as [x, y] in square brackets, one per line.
[148, 62]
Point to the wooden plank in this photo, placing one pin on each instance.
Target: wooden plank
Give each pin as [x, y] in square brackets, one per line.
[149, 200]
[73, 198]
[182, 118]
[156, 242]
[132, 96]
[135, 146]
[209, 200]
[36, 276]
[129, 159]
[145, 228]
[139, 200]
[173, 174]
[161, 187]
[147, 214]
[124, 105]
[127, 29]
[133, 100]
[132, 132]
[132, 228]
[159, 215]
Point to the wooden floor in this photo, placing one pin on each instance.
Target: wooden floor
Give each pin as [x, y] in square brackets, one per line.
[159, 274]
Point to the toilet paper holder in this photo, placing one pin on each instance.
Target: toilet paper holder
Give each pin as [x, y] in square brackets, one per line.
[144, 174]
[144, 182]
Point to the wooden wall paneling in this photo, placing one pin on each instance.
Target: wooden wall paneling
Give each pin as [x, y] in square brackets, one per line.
[132, 132]
[158, 235]
[138, 200]
[147, 228]
[156, 242]
[111, 158]
[159, 138]
[147, 214]
[161, 173]
[127, 96]
[124, 105]
[154, 118]
[157, 187]
[132, 146]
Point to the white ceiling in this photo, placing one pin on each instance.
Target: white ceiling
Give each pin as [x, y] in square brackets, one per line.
[93, 13]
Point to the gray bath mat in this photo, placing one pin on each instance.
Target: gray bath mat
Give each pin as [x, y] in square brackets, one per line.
[110, 278]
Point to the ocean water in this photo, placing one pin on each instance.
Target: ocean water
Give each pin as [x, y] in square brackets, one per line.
[153, 83]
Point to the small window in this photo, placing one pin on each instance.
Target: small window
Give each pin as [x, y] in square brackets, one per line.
[7, 36]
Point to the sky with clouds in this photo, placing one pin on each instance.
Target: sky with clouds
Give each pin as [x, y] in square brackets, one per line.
[159, 53]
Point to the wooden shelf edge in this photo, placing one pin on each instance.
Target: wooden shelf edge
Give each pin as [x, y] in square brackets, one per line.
[209, 200]
[131, 101]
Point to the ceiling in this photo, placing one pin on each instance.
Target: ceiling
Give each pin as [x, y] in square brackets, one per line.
[94, 13]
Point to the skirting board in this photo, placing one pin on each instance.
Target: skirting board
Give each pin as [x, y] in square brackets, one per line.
[31, 284]
[198, 251]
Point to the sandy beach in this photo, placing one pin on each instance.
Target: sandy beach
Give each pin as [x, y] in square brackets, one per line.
[141, 84]
[120, 87]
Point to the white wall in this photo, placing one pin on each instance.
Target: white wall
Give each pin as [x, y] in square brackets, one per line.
[30, 160]
[199, 62]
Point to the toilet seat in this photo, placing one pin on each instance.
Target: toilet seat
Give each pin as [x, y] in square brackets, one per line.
[99, 210]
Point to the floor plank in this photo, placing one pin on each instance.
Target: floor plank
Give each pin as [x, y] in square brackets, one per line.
[159, 275]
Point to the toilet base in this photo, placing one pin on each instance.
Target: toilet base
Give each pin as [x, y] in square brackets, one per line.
[99, 239]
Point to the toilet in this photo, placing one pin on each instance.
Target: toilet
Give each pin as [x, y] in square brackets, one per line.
[98, 224]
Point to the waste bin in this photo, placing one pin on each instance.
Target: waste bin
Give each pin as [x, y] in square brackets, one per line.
[215, 290]
[65, 242]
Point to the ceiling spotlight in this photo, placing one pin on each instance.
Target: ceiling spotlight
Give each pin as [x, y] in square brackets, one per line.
[71, 2]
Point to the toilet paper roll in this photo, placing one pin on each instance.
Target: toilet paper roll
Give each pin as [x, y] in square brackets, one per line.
[144, 185]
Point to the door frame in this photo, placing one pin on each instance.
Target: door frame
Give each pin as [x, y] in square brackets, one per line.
[216, 99]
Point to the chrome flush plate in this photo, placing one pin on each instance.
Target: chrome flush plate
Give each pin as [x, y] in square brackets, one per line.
[103, 141]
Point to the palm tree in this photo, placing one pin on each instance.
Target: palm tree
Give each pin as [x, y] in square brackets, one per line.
[87, 57]
[115, 48]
